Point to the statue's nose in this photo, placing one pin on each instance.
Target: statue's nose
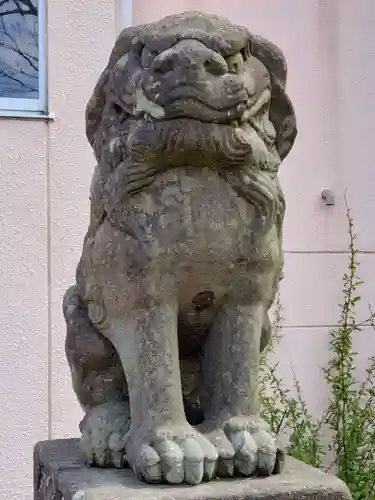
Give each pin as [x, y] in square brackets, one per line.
[191, 56]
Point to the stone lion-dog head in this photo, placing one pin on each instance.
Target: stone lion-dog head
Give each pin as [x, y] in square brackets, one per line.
[192, 88]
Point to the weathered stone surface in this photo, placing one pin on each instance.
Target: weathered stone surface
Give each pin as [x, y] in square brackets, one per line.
[189, 123]
[60, 474]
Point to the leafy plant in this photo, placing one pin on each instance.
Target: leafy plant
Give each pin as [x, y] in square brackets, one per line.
[350, 415]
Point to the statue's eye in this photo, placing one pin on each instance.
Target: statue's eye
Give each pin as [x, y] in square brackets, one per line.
[246, 53]
[137, 46]
[235, 62]
[117, 109]
[147, 57]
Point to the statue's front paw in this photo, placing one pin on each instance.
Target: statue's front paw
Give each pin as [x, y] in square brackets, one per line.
[103, 430]
[246, 447]
[172, 454]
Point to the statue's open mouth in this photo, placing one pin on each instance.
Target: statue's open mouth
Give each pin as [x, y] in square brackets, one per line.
[206, 104]
[191, 108]
[238, 108]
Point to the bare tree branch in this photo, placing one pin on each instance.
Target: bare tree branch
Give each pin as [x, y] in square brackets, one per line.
[22, 7]
[32, 60]
[19, 58]
[9, 76]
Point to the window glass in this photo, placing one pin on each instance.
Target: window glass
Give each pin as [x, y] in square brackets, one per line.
[21, 71]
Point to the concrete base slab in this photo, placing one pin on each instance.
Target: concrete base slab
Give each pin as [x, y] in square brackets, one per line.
[60, 474]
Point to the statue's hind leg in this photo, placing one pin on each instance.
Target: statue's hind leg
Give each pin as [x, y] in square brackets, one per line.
[99, 382]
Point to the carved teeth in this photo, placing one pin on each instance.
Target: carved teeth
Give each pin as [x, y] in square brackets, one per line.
[112, 145]
[246, 116]
[144, 105]
[246, 179]
[264, 98]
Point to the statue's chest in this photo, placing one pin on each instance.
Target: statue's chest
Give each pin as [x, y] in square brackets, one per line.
[193, 227]
[192, 212]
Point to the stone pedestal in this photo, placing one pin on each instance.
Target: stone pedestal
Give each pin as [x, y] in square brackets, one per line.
[60, 474]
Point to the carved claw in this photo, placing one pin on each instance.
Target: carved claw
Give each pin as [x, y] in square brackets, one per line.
[103, 430]
[171, 455]
[246, 447]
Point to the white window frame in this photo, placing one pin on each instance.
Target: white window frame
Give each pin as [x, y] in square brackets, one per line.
[123, 14]
[39, 105]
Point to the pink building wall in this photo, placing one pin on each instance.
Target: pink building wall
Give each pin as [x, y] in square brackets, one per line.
[45, 174]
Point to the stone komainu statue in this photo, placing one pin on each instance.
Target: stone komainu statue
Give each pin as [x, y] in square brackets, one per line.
[182, 258]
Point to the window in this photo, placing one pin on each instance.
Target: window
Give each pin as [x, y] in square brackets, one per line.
[22, 55]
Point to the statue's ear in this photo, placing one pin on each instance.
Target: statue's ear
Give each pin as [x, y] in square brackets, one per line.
[97, 101]
[281, 111]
